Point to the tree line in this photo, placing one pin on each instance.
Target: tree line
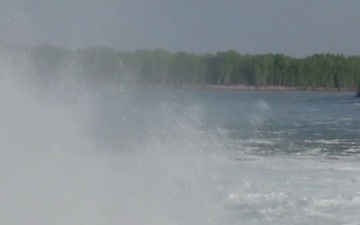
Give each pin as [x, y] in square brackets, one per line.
[162, 67]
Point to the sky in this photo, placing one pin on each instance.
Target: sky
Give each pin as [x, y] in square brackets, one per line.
[292, 27]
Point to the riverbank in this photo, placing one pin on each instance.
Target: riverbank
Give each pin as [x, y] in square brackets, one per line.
[261, 88]
[279, 88]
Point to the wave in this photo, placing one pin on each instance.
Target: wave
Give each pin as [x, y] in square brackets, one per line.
[329, 142]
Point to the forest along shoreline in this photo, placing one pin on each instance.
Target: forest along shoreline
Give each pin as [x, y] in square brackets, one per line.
[220, 70]
[241, 87]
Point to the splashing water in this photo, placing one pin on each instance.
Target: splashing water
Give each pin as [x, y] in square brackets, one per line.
[77, 160]
[130, 155]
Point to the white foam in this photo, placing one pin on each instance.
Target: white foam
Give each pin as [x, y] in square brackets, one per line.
[53, 171]
[352, 150]
[282, 190]
[328, 142]
[259, 141]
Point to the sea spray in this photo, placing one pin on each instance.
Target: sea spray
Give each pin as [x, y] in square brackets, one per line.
[99, 155]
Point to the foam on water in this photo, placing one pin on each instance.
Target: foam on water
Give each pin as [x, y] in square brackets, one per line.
[74, 157]
[329, 142]
[60, 165]
[295, 191]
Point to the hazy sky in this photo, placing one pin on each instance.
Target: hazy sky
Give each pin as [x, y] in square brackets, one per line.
[294, 27]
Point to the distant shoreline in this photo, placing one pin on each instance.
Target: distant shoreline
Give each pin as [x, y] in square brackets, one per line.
[260, 88]
[265, 72]
[280, 88]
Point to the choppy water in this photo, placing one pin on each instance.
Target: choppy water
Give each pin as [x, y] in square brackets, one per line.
[245, 157]
[147, 156]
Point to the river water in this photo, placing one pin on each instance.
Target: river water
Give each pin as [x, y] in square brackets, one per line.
[159, 156]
